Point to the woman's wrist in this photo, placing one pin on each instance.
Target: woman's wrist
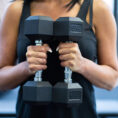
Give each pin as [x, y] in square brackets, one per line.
[83, 65]
[26, 69]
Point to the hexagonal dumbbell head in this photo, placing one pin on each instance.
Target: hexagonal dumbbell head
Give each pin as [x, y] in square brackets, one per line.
[66, 28]
[37, 92]
[39, 28]
[69, 94]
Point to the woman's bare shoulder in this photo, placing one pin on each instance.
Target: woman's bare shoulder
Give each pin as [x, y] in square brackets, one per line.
[101, 11]
[16, 5]
[99, 5]
[13, 10]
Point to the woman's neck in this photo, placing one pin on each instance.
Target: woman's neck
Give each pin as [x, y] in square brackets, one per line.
[51, 4]
[53, 9]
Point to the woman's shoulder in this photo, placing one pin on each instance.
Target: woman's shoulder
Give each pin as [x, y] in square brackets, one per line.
[101, 11]
[100, 6]
[13, 10]
[15, 6]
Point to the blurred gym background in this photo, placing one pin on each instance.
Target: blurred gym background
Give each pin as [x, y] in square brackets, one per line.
[106, 101]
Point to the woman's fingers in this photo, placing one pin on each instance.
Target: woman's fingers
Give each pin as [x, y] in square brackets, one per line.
[36, 48]
[43, 48]
[36, 61]
[66, 57]
[67, 45]
[37, 57]
[47, 48]
[35, 68]
[69, 64]
[70, 56]
[67, 50]
[36, 54]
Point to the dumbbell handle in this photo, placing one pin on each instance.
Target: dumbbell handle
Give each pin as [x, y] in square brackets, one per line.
[68, 73]
[38, 73]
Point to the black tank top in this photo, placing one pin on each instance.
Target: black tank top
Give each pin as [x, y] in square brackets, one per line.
[55, 73]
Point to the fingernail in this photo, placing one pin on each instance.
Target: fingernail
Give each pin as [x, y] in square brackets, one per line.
[57, 49]
[50, 50]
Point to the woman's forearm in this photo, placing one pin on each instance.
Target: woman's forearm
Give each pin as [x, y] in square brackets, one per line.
[12, 76]
[100, 75]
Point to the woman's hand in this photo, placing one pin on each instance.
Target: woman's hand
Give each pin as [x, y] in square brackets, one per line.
[37, 57]
[70, 56]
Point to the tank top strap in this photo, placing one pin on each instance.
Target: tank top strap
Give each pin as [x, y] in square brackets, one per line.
[84, 9]
[87, 5]
[24, 15]
[91, 13]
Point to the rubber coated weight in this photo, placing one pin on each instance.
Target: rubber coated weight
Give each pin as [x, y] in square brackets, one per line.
[37, 92]
[70, 93]
[68, 29]
[38, 28]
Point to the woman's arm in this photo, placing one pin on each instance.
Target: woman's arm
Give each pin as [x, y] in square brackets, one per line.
[10, 75]
[105, 73]
[106, 33]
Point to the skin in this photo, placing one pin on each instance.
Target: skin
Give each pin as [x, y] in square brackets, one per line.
[105, 73]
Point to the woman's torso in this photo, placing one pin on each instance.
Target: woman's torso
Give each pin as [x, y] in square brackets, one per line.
[55, 73]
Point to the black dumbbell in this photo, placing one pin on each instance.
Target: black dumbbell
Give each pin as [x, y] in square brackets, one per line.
[38, 29]
[68, 29]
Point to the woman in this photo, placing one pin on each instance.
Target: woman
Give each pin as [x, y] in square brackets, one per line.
[99, 42]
